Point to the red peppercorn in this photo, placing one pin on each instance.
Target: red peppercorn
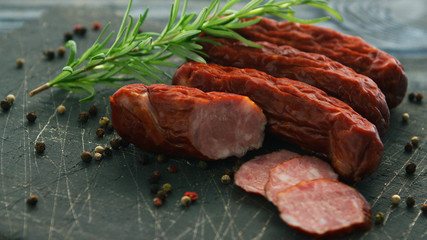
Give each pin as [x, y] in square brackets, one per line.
[157, 202]
[193, 196]
[96, 26]
[172, 169]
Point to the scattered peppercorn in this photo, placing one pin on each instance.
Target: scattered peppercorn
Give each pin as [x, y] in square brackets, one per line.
[108, 152]
[424, 208]
[68, 36]
[40, 147]
[419, 97]
[98, 156]
[410, 168]
[83, 117]
[115, 143]
[161, 158]
[410, 202]
[411, 97]
[203, 165]
[60, 51]
[408, 147]
[110, 127]
[192, 195]
[49, 54]
[20, 62]
[93, 110]
[96, 26]
[100, 132]
[103, 122]
[405, 117]
[99, 149]
[395, 199]
[154, 177]
[172, 169]
[5, 105]
[31, 116]
[32, 200]
[154, 188]
[86, 156]
[157, 202]
[226, 179]
[167, 187]
[161, 194]
[10, 98]
[186, 201]
[79, 30]
[415, 140]
[379, 218]
[124, 143]
[61, 109]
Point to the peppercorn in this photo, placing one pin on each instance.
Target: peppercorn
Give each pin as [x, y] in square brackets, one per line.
[411, 97]
[10, 98]
[186, 201]
[40, 147]
[115, 143]
[408, 147]
[79, 30]
[100, 132]
[415, 140]
[172, 169]
[405, 117]
[108, 152]
[20, 62]
[32, 200]
[157, 202]
[124, 143]
[161, 194]
[110, 127]
[419, 97]
[83, 117]
[410, 202]
[154, 177]
[103, 122]
[379, 218]
[49, 54]
[68, 36]
[60, 51]
[99, 149]
[86, 156]
[31, 116]
[96, 26]
[228, 172]
[424, 208]
[5, 105]
[192, 195]
[395, 199]
[154, 188]
[410, 168]
[93, 110]
[61, 109]
[167, 187]
[98, 156]
[226, 179]
[161, 158]
[203, 165]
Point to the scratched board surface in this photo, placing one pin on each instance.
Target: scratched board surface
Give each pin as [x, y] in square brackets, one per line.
[111, 199]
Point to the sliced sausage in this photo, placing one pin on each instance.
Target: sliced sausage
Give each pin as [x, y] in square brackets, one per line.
[187, 122]
[357, 90]
[299, 113]
[253, 174]
[324, 208]
[351, 51]
[292, 172]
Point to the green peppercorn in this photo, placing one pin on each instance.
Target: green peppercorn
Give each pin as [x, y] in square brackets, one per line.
[31, 116]
[20, 62]
[83, 117]
[405, 117]
[395, 199]
[61, 109]
[103, 122]
[226, 179]
[186, 201]
[415, 141]
[410, 202]
[115, 143]
[410, 168]
[379, 218]
[40, 147]
[157, 202]
[408, 147]
[86, 157]
[100, 132]
[5, 105]
[10, 98]
[32, 200]
[167, 187]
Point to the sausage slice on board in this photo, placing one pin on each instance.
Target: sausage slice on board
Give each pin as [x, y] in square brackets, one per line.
[299, 113]
[324, 208]
[253, 174]
[186, 122]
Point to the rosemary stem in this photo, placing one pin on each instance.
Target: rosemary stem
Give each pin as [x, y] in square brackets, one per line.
[39, 89]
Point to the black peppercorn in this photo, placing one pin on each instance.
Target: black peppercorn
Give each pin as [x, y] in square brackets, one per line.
[115, 143]
[419, 97]
[5, 105]
[161, 194]
[68, 36]
[40, 147]
[83, 117]
[20, 62]
[154, 188]
[124, 143]
[154, 177]
[79, 30]
[32, 200]
[31, 116]
[86, 156]
[60, 51]
[49, 54]
[410, 202]
[409, 147]
[93, 110]
[108, 152]
[424, 208]
[110, 127]
[100, 132]
[410, 168]
[411, 96]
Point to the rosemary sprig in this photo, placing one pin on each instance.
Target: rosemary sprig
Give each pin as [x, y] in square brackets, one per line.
[140, 55]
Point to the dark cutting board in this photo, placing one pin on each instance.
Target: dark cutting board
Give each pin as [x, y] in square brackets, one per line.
[111, 199]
